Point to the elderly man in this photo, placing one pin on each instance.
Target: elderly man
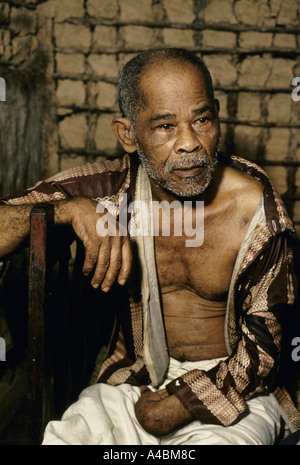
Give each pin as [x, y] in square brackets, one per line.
[195, 351]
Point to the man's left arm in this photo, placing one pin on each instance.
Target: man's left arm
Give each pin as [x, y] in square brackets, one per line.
[219, 395]
[160, 412]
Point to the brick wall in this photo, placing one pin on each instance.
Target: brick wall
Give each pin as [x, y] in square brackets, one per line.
[250, 46]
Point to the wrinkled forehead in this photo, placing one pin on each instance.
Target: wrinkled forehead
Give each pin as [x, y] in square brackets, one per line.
[171, 77]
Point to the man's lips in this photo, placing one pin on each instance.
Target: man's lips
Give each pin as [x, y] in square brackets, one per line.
[188, 172]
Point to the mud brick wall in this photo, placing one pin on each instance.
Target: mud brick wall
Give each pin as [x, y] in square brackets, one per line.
[61, 60]
[250, 46]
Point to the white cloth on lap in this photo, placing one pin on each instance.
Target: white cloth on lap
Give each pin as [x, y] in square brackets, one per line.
[104, 415]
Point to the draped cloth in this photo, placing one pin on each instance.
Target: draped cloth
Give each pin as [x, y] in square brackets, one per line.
[104, 415]
[156, 356]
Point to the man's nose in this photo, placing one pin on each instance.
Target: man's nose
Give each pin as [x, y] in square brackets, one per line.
[187, 141]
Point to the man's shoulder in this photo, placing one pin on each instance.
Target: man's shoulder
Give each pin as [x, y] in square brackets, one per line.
[247, 169]
[238, 181]
[96, 180]
[115, 165]
[242, 180]
[252, 182]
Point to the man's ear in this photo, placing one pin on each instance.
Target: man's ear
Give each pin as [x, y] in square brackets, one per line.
[123, 131]
[217, 105]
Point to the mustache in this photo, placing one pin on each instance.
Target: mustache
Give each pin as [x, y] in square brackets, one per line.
[189, 162]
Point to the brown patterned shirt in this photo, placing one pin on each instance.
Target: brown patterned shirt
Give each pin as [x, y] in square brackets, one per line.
[262, 290]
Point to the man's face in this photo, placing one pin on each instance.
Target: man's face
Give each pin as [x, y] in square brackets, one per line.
[178, 131]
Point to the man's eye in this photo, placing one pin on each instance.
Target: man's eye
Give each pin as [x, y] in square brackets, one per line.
[165, 126]
[202, 120]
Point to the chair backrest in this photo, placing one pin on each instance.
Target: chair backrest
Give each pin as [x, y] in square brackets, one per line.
[39, 381]
[67, 322]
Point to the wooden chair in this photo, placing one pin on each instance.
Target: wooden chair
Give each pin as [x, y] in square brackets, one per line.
[66, 329]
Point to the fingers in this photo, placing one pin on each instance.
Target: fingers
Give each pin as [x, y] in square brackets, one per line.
[112, 263]
[108, 264]
[91, 258]
[108, 252]
[144, 389]
[153, 396]
[163, 393]
[126, 265]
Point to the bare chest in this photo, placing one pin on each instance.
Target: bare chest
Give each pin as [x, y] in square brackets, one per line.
[205, 270]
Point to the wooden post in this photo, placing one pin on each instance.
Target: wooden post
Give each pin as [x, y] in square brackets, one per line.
[38, 378]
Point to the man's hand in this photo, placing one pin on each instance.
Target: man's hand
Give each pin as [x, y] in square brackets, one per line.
[159, 412]
[109, 257]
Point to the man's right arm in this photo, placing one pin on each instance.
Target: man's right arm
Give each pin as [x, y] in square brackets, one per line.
[14, 227]
[108, 258]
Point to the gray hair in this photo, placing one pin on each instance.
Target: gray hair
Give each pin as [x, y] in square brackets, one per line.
[131, 100]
